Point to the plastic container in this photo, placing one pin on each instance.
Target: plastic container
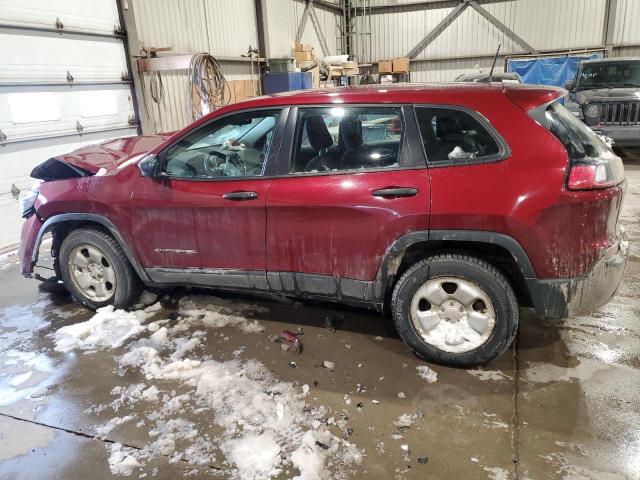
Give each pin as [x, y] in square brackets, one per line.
[281, 65]
[286, 82]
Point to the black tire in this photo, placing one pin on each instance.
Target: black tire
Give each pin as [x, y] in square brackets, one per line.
[474, 270]
[128, 286]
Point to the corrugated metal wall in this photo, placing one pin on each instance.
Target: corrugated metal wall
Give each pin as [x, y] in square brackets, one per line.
[283, 17]
[544, 24]
[219, 27]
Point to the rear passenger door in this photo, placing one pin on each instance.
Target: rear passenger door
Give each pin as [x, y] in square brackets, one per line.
[351, 180]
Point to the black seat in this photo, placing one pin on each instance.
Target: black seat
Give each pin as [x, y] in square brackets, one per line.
[320, 140]
[357, 154]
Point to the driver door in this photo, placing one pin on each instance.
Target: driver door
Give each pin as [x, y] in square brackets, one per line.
[203, 213]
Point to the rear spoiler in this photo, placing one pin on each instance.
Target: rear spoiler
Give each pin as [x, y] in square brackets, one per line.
[528, 97]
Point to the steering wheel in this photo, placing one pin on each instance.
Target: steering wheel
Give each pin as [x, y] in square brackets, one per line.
[219, 164]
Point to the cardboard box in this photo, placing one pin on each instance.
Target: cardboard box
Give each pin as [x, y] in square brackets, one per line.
[350, 71]
[335, 71]
[303, 56]
[303, 47]
[350, 64]
[400, 65]
[384, 66]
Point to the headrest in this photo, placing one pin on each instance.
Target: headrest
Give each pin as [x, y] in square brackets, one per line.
[318, 133]
[351, 132]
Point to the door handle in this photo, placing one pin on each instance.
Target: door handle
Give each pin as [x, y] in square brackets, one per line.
[393, 192]
[239, 196]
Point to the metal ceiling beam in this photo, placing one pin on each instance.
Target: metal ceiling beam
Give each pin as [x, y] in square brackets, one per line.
[324, 5]
[501, 26]
[263, 29]
[309, 11]
[609, 27]
[303, 21]
[422, 5]
[437, 30]
[319, 33]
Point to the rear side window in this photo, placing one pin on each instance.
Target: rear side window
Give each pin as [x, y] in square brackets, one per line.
[578, 139]
[452, 135]
[339, 138]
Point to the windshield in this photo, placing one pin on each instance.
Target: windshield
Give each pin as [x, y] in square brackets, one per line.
[611, 75]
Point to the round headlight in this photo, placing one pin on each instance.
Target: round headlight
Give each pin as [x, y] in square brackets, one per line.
[592, 110]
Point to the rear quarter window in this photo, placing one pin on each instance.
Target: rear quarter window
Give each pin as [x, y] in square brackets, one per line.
[578, 139]
[453, 135]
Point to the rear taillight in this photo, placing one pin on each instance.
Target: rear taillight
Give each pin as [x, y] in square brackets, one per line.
[593, 174]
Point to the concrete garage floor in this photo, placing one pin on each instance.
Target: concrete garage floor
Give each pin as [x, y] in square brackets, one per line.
[563, 403]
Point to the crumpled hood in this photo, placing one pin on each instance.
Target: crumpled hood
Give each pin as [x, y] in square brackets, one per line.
[112, 153]
[609, 94]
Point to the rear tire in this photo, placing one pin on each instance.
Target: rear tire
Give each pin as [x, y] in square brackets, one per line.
[96, 271]
[455, 310]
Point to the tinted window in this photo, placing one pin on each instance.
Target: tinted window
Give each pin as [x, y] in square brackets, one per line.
[451, 135]
[579, 140]
[625, 74]
[235, 146]
[347, 138]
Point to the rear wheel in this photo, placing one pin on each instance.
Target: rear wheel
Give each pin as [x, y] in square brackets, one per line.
[455, 310]
[96, 271]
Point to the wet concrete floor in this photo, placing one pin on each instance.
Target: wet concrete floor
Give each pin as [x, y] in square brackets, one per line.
[564, 402]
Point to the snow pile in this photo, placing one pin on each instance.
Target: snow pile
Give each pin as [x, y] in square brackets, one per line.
[264, 425]
[215, 313]
[108, 328]
[120, 460]
[260, 425]
[427, 373]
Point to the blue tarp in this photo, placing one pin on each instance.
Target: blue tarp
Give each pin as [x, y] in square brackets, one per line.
[547, 70]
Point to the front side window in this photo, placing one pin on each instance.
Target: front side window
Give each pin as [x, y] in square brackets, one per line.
[451, 135]
[234, 146]
[341, 138]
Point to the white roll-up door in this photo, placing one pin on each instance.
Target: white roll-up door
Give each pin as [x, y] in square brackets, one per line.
[64, 83]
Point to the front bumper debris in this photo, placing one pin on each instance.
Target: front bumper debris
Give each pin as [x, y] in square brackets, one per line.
[28, 236]
[560, 298]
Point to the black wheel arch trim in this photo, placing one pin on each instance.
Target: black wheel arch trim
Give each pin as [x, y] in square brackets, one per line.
[48, 225]
[394, 254]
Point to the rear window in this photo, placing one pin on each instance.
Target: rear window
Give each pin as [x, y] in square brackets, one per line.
[452, 135]
[578, 139]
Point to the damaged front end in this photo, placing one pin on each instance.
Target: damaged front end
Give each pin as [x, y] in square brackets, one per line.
[29, 200]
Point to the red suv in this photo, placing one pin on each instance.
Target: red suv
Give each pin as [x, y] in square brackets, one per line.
[448, 206]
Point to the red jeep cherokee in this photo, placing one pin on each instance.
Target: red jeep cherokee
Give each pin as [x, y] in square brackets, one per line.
[448, 205]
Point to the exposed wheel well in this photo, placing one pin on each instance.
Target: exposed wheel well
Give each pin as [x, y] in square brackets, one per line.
[496, 255]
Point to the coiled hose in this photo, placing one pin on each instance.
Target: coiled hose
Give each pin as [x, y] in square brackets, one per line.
[206, 85]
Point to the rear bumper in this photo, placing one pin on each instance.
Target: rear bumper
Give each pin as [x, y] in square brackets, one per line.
[560, 298]
[621, 135]
[30, 229]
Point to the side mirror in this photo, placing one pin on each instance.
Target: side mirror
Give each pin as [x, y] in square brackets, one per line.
[569, 85]
[149, 166]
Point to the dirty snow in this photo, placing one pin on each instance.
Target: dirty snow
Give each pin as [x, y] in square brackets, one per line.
[108, 328]
[497, 473]
[493, 375]
[261, 426]
[427, 373]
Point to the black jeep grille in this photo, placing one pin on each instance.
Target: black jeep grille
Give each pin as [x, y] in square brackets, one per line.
[620, 113]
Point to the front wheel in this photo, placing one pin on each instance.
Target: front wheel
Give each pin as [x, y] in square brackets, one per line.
[455, 310]
[96, 271]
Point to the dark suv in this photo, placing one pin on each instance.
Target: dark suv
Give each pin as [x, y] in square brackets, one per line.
[606, 96]
[448, 206]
